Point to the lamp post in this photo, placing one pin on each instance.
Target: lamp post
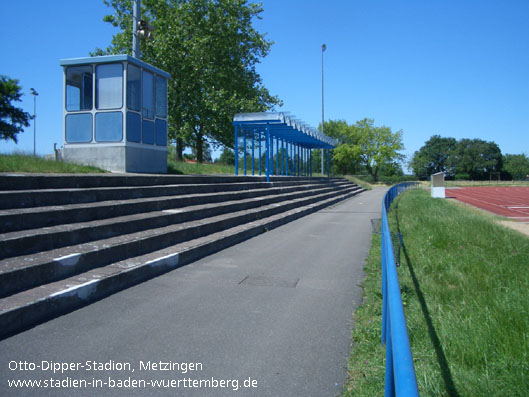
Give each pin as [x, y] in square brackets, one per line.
[323, 48]
[35, 94]
[136, 16]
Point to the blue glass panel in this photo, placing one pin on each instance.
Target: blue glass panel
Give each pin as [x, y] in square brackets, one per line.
[109, 86]
[79, 88]
[133, 127]
[109, 127]
[78, 128]
[133, 87]
[148, 95]
[161, 97]
[147, 135]
[161, 132]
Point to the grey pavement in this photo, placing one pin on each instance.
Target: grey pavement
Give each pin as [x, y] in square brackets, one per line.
[274, 312]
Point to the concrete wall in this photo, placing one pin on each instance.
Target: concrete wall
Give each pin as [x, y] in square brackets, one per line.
[119, 158]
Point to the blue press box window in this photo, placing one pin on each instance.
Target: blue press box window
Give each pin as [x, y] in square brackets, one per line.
[133, 87]
[133, 127]
[161, 97]
[79, 88]
[109, 127]
[147, 135]
[79, 128]
[161, 132]
[148, 95]
[109, 86]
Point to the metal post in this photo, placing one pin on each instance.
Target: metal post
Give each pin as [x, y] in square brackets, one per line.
[303, 161]
[277, 156]
[244, 158]
[322, 159]
[253, 152]
[35, 94]
[260, 155]
[267, 152]
[310, 162]
[282, 157]
[328, 164]
[136, 16]
[288, 174]
[323, 48]
[236, 150]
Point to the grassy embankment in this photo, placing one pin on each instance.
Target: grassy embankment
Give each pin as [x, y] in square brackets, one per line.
[464, 282]
[19, 162]
[29, 163]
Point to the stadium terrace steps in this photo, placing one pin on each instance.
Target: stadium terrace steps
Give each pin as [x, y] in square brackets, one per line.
[64, 246]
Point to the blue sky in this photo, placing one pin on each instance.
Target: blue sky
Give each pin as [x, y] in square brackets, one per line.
[457, 68]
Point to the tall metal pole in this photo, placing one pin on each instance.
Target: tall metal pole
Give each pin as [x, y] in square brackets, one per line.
[323, 48]
[35, 94]
[136, 16]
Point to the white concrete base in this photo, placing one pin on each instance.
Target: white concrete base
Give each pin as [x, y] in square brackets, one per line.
[119, 158]
[438, 192]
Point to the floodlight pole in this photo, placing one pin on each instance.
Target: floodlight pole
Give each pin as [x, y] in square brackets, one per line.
[35, 94]
[136, 16]
[323, 48]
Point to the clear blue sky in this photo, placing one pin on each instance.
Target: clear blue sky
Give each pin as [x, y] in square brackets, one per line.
[457, 68]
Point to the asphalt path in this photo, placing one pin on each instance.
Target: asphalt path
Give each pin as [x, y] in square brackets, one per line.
[268, 317]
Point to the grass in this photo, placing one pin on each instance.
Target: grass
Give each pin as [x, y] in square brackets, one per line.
[355, 179]
[182, 168]
[464, 285]
[27, 163]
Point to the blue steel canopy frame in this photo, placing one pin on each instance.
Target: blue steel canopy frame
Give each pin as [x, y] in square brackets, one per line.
[286, 131]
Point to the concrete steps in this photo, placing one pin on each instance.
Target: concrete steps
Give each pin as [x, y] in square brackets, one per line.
[55, 258]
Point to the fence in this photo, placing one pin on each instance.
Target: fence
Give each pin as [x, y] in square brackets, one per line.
[400, 373]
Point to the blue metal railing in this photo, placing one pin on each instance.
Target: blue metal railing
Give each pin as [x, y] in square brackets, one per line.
[400, 373]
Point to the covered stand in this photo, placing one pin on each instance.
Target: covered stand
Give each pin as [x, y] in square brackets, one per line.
[277, 138]
[115, 114]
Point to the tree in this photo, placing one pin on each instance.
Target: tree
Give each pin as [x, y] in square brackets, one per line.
[377, 146]
[365, 145]
[210, 48]
[227, 157]
[344, 159]
[516, 165]
[437, 155]
[12, 119]
[477, 158]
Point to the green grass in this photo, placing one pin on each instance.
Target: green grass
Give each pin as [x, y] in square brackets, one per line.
[464, 281]
[359, 181]
[28, 163]
[182, 168]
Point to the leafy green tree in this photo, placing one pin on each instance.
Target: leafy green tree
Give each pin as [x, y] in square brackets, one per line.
[437, 155]
[377, 146]
[343, 159]
[211, 49]
[477, 158]
[365, 145]
[227, 157]
[12, 119]
[516, 165]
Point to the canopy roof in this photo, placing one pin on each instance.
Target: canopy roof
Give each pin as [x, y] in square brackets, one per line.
[284, 126]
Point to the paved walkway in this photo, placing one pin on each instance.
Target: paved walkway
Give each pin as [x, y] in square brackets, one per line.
[273, 312]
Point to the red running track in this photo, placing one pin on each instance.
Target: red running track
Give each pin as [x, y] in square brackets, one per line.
[511, 202]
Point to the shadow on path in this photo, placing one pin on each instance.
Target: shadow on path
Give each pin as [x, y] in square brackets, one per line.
[441, 358]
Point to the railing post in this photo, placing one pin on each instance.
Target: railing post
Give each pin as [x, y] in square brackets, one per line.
[268, 152]
[236, 150]
[253, 153]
